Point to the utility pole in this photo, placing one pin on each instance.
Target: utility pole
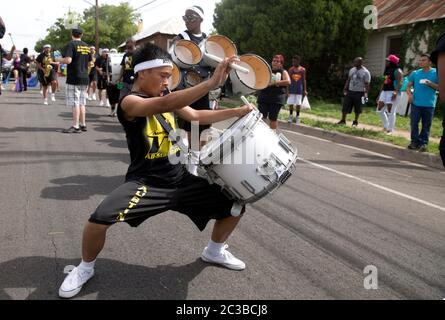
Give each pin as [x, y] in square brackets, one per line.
[97, 25]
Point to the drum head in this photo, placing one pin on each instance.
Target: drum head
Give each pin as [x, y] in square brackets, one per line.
[192, 78]
[259, 74]
[234, 134]
[187, 52]
[220, 46]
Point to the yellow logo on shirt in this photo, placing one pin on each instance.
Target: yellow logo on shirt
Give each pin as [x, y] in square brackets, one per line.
[159, 145]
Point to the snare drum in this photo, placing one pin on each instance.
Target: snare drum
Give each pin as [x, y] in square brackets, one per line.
[248, 159]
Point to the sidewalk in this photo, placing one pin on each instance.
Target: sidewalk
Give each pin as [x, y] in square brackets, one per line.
[384, 148]
[397, 133]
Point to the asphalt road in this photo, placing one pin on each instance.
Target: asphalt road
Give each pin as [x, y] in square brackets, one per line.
[344, 209]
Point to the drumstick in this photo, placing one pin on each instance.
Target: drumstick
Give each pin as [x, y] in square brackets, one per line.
[232, 65]
[243, 98]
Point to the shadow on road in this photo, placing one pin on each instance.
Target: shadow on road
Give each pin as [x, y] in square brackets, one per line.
[81, 187]
[39, 278]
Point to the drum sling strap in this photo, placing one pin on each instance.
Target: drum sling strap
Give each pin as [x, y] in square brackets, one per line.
[169, 129]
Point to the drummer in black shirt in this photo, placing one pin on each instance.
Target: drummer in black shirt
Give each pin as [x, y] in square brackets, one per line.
[155, 183]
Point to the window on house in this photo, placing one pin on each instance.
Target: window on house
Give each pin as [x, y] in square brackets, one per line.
[394, 45]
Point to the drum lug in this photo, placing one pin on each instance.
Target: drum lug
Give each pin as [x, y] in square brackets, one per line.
[248, 186]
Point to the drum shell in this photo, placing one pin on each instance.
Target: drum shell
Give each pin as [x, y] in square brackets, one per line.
[258, 78]
[217, 45]
[246, 181]
[185, 53]
[192, 78]
[175, 78]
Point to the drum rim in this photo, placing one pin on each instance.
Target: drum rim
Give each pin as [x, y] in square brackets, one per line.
[240, 80]
[189, 42]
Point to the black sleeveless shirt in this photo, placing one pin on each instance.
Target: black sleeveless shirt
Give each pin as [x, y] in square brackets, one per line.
[149, 148]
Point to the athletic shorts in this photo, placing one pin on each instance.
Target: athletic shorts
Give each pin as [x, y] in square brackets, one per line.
[135, 201]
[92, 76]
[101, 82]
[295, 99]
[76, 95]
[353, 100]
[270, 110]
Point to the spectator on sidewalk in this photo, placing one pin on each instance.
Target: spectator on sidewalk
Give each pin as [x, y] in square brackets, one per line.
[355, 91]
[297, 88]
[438, 58]
[389, 96]
[271, 99]
[77, 56]
[423, 99]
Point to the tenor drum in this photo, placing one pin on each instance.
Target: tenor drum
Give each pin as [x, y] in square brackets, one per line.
[175, 79]
[219, 46]
[115, 62]
[185, 53]
[258, 78]
[192, 78]
[248, 159]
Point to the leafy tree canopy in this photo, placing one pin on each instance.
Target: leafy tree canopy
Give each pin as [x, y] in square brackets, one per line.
[116, 24]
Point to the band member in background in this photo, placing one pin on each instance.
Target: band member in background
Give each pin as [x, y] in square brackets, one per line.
[193, 19]
[127, 72]
[92, 75]
[153, 183]
[25, 62]
[101, 68]
[77, 57]
[46, 72]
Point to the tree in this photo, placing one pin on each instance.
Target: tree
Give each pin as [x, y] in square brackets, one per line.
[116, 24]
[327, 34]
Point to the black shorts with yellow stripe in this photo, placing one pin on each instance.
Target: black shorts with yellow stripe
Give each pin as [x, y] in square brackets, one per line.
[135, 201]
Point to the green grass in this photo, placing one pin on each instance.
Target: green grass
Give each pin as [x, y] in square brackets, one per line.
[369, 116]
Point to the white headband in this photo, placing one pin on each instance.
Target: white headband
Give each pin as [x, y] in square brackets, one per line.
[197, 11]
[156, 63]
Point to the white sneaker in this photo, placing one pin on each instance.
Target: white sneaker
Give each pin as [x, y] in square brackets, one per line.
[45, 102]
[224, 258]
[290, 119]
[297, 120]
[53, 97]
[74, 281]
[108, 104]
[94, 97]
[101, 103]
[89, 98]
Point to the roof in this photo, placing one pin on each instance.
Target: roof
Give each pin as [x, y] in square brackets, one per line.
[393, 13]
[172, 26]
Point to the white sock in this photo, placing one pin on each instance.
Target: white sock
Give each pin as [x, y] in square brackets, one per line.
[87, 266]
[214, 247]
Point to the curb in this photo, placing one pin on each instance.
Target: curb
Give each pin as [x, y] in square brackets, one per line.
[426, 159]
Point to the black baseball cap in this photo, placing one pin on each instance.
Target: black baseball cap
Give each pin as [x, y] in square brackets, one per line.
[77, 32]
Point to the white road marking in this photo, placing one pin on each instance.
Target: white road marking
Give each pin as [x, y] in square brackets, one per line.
[429, 204]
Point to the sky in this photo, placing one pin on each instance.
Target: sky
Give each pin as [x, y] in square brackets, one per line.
[29, 25]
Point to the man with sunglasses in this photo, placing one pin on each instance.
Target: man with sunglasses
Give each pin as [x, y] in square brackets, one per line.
[193, 18]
